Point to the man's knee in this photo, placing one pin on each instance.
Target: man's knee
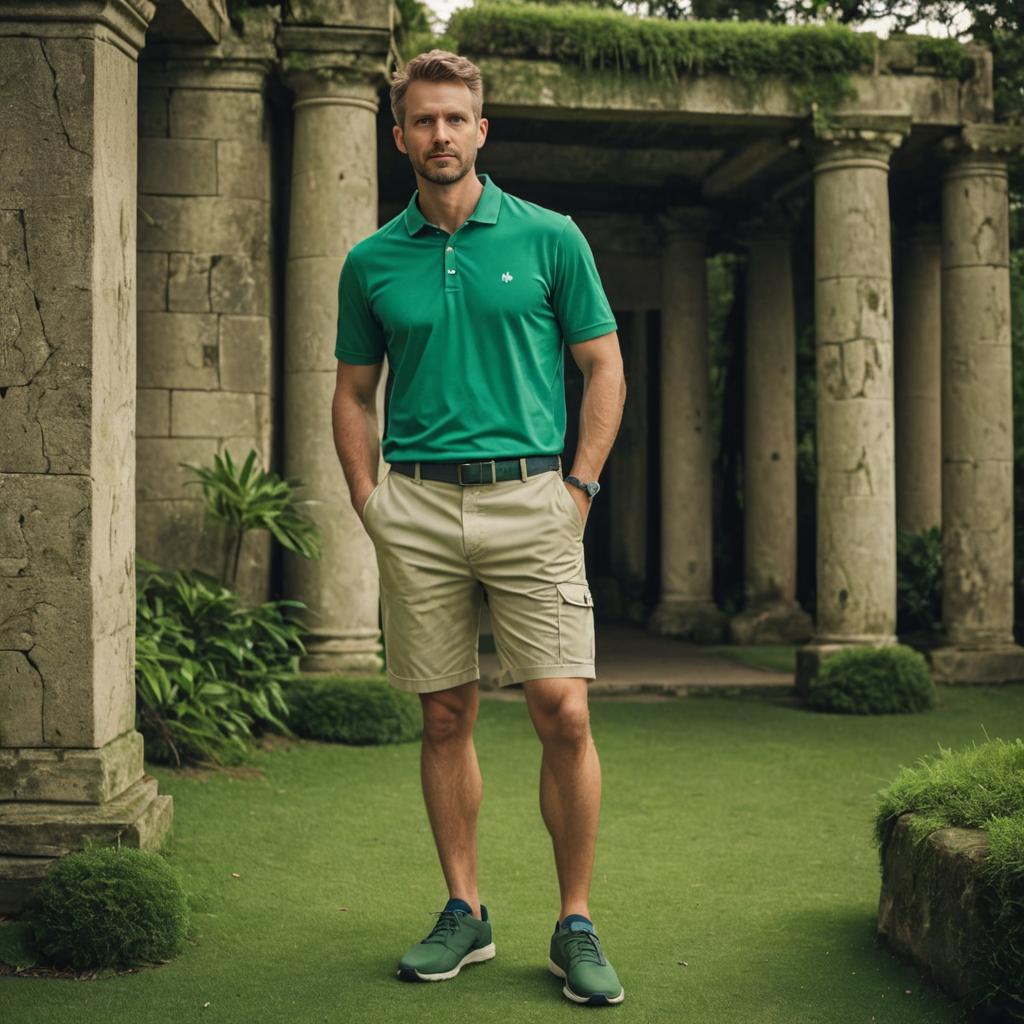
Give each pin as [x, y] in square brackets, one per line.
[560, 713]
[449, 714]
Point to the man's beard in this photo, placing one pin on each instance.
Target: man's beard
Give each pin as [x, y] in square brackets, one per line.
[442, 174]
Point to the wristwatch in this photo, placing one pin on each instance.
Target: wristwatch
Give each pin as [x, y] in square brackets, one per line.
[591, 488]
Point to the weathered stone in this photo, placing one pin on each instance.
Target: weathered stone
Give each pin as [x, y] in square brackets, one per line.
[188, 288]
[153, 273]
[989, 664]
[245, 353]
[931, 907]
[90, 775]
[701, 621]
[160, 476]
[219, 224]
[178, 167]
[239, 284]
[771, 622]
[153, 116]
[153, 418]
[216, 114]
[177, 350]
[212, 414]
[243, 169]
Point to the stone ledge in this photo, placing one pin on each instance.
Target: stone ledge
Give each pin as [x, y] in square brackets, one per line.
[982, 666]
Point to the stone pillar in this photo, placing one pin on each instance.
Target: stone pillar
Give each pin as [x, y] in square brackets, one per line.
[71, 760]
[916, 364]
[333, 206]
[771, 614]
[205, 290]
[629, 473]
[977, 411]
[856, 500]
[686, 607]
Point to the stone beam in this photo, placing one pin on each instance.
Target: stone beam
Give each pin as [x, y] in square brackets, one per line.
[741, 167]
[188, 21]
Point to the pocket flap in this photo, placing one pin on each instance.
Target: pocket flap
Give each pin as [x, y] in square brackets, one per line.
[576, 593]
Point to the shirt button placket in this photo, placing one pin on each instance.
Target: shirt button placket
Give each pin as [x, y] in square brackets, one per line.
[450, 270]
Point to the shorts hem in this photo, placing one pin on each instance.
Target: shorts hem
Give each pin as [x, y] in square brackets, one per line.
[522, 675]
[435, 682]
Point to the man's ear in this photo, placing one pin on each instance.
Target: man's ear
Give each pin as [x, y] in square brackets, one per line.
[399, 136]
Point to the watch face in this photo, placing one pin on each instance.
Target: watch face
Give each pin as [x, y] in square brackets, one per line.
[593, 488]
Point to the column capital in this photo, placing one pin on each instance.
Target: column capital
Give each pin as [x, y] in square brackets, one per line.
[335, 64]
[693, 222]
[860, 138]
[982, 149]
[127, 20]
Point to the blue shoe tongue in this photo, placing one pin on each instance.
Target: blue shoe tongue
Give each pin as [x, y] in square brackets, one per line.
[456, 904]
[580, 926]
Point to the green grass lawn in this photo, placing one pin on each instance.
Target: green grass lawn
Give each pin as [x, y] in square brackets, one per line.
[735, 836]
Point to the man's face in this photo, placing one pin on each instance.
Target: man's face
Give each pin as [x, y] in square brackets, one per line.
[439, 120]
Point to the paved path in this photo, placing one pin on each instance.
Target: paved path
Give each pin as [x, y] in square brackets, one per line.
[631, 661]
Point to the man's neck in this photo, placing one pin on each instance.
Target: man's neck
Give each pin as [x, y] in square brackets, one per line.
[448, 206]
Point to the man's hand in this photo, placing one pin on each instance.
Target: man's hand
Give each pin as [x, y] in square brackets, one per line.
[359, 500]
[581, 499]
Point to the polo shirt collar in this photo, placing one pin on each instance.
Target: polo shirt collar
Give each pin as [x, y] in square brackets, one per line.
[485, 212]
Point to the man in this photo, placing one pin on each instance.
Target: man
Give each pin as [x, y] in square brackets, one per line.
[471, 292]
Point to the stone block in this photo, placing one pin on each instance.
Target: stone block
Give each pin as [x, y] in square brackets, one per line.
[240, 284]
[701, 621]
[1000, 663]
[178, 534]
[204, 224]
[153, 115]
[159, 474]
[245, 354]
[178, 167]
[780, 622]
[243, 169]
[212, 414]
[361, 13]
[87, 775]
[217, 114]
[931, 906]
[188, 289]
[177, 350]
[21, 702]
[152, 273]
[153, 413]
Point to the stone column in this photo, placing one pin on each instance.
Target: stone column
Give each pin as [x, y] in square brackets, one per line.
[71, 760]
[916, 376]
[977, 411]
[856, 499]
[771, 614]
[333, 206]
[205, 290]
[686, 607]
[629, 472]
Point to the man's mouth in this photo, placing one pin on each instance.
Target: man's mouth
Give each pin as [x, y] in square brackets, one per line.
[434, 156]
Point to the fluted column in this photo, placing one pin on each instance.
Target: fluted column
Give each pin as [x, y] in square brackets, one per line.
[977, 411]
[771, 614]
[856, 491]
[686, 607]
[71, 759]
[333, 206]
[916, 365]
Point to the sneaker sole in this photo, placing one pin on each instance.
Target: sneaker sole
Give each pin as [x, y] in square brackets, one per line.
[472, 957]
[594, 1000]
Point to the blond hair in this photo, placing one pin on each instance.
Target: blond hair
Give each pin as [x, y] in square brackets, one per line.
[436, 66]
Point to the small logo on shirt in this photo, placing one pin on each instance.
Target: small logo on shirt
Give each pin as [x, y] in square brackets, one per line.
[506, 277]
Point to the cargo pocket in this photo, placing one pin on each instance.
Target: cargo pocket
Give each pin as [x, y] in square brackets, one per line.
[575, 623]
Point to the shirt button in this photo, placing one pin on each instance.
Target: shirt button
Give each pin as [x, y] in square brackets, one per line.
[450, 249]
[451, 271]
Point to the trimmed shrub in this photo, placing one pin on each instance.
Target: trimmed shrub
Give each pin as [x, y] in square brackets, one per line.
[109, 907]
[351, 709]
[874, 681]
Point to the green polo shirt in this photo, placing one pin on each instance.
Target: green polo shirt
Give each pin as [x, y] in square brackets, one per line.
[473, 325]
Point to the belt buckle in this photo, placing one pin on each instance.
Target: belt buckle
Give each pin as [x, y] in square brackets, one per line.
[458, 472]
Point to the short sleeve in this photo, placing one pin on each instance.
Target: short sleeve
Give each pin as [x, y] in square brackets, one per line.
[360, 337]
[577, 294]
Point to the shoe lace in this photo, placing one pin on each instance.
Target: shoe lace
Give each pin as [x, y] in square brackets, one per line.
[447, 922]
[584, 946]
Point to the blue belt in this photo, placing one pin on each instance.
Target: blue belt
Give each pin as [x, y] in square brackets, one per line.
[487, 472]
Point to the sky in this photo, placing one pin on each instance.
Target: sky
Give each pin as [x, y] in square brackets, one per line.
[880, 26]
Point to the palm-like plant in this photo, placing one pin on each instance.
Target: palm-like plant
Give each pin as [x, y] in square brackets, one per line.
[250, 498]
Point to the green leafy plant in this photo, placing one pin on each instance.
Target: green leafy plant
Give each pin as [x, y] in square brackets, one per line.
[106, 906]
[873, 681]
[249, 498]
[919, 580]
[343, 709]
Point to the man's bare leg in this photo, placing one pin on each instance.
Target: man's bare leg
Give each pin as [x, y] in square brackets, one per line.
[452, 784]
[570, 783]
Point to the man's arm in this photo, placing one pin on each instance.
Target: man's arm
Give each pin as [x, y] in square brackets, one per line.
[356, 437]
[604, 394]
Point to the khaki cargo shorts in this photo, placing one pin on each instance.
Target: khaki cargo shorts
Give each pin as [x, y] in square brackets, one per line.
[442, 548]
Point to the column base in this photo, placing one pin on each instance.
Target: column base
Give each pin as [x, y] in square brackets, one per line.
[810, 658]
[701, 621]
[771, 622]
[998, 663]
[35, 833]
[334, 655]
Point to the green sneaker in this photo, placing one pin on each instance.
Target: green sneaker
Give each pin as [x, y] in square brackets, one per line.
[457, 938]
[576, 956]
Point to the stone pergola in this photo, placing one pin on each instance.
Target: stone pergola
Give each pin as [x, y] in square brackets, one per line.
[177, 201]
